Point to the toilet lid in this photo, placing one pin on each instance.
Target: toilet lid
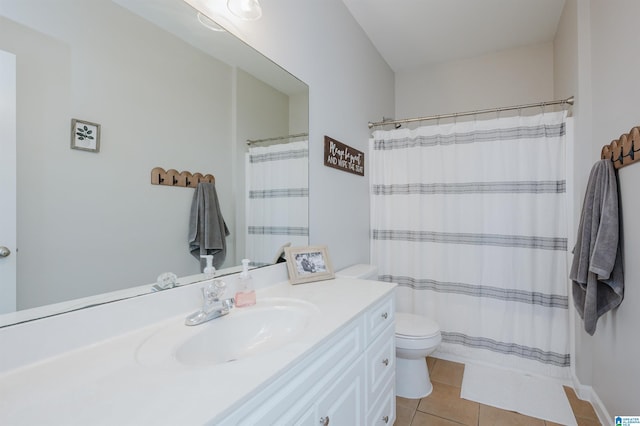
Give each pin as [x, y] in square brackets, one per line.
[415, 326]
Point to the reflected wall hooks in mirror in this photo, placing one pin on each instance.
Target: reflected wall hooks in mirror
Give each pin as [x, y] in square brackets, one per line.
[172, 177]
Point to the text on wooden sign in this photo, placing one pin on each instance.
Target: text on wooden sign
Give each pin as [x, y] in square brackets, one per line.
[343, 157]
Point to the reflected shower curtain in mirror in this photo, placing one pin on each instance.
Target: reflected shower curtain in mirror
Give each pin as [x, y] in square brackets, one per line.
[277, 199]
[470, 220]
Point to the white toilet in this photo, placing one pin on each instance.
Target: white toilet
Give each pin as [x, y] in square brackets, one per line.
[416, 337]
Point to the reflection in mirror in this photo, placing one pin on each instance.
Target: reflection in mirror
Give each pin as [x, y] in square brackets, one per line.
[277, 204]
[167, 92]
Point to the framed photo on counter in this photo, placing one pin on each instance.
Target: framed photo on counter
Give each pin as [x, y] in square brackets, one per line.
[308, 264]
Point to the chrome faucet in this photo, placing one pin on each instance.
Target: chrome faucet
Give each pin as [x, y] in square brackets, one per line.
[212, 306]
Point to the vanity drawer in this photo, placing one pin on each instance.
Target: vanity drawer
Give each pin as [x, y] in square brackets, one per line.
[379, 317]
[383, 411]
[381, 362]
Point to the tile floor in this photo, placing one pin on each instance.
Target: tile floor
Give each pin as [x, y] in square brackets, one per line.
[444, 407]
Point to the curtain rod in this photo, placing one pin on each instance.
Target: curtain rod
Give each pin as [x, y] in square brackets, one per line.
[277, 138]
[569, 101]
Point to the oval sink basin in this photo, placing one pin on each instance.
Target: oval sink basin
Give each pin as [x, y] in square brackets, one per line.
[244, 332]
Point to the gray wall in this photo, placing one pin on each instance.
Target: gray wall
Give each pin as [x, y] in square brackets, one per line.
[599, 43]
[508, 77]
[572, 75]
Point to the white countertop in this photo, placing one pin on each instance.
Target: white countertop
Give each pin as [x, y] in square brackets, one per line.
[104, 383]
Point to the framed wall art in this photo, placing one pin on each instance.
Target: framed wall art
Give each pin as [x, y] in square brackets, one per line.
[85, 135]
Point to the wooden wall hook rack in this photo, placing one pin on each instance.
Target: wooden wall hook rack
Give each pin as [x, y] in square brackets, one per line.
[173, 177]
[624, 150]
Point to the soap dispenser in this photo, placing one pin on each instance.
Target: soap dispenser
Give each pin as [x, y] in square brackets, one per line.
[209, 270]
[245, 291]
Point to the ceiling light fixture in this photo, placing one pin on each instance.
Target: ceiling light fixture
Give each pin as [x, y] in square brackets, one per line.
[248, 10]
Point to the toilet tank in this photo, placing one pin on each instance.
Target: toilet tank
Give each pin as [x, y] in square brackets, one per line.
[361, 270]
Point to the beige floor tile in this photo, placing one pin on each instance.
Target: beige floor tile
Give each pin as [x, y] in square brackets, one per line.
[492, 416]
[406, 402]
[431, 362]
[447, 372]
[582, 409]
[424, 419]
[445, 402]
[404, 415]
[587, 422]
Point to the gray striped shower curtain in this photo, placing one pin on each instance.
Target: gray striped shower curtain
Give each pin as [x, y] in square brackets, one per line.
[470, 220]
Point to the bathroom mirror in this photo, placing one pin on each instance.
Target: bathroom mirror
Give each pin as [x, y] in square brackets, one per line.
[168, 92]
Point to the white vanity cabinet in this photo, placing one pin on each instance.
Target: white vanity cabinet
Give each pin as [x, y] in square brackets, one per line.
[348, 380]
[338, 370]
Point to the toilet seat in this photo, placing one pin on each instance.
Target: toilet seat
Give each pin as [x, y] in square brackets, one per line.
[411, 326]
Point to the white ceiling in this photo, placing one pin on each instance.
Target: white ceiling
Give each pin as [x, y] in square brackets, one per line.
[412, 33]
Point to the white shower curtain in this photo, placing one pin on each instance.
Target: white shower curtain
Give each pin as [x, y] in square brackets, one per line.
[469, 219]
[277, 199]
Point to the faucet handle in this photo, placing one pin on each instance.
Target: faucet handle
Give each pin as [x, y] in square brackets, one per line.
[228, 303]
[212, 291]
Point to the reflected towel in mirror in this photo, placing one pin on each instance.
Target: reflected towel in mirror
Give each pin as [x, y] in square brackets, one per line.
[207, 228]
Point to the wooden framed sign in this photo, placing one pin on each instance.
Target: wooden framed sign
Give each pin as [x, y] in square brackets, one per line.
[343, 157]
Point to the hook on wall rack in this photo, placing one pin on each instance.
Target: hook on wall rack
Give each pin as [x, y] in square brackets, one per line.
[173, 177]
[625, 150]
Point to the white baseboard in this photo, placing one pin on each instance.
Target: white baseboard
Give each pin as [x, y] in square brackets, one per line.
[587, 393]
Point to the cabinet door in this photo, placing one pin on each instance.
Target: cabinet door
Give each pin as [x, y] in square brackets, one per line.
[309, 418]
[343, 402]
[383, 410]
[292, 396]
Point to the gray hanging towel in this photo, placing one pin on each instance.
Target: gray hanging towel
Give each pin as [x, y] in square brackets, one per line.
[596, 271]
[207, 229]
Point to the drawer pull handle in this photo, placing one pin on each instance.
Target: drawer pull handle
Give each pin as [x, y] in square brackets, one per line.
[385, 315]
[385, 361]
[385, 419]
[324, 421]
